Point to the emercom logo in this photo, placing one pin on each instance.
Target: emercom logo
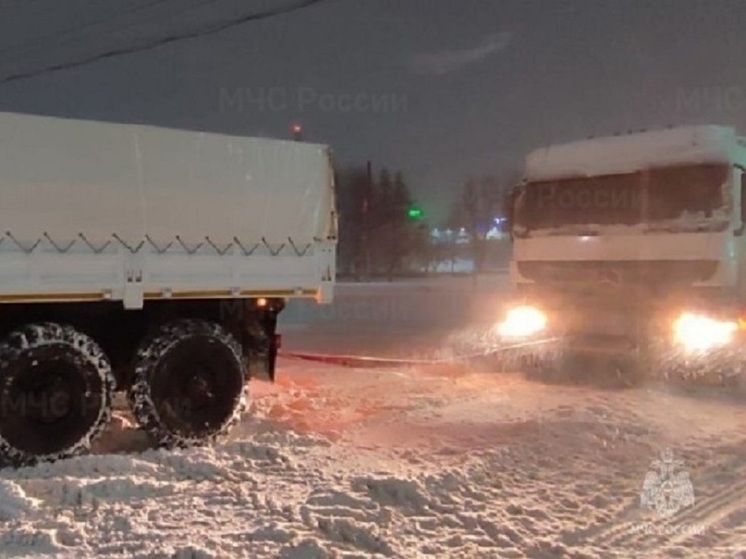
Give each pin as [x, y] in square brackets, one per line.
[667, 488]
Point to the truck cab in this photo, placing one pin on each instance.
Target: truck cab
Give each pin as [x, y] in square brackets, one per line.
[627, 242]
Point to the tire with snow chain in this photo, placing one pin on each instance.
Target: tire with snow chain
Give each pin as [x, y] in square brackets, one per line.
[56, 388]
[188, 385]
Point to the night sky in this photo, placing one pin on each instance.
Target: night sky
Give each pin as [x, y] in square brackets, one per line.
[442, 89]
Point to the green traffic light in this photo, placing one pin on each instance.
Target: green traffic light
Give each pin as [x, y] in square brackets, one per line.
[414, 213]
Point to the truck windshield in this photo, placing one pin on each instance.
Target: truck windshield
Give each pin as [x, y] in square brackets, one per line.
[665, 198]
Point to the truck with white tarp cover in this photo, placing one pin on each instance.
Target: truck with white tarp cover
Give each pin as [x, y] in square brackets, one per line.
[631, 249]
[148, 260]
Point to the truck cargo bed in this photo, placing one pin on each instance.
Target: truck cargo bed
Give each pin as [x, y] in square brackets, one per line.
[93, 210]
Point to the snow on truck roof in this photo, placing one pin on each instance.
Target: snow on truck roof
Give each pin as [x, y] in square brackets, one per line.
[13, 121]
[633, 152]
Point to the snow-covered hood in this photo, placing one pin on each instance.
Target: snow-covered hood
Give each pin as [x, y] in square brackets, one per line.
[629, 248]
[683, 258]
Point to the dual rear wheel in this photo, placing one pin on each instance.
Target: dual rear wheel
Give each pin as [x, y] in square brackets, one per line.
[188, 383]
[57, 387]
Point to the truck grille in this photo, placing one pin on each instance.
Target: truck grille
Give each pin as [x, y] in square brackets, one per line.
[619, 275]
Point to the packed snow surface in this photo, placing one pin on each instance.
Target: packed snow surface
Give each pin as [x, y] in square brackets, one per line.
[447, 461]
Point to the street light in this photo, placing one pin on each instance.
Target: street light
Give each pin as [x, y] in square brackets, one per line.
[297, 132]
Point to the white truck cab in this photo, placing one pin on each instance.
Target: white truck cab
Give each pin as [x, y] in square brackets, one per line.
[626, 239]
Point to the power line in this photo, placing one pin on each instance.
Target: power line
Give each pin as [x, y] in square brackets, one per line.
[102, 21]
[217, 28]
[74, 30]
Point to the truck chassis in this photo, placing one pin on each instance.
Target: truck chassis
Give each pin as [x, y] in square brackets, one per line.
[183, 365]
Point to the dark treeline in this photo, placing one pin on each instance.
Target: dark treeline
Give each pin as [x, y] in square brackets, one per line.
[377, 236]
[380, 237]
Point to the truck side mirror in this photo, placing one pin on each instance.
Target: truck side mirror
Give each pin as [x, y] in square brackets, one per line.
[743, 196]
[738, 232]
[509, 209]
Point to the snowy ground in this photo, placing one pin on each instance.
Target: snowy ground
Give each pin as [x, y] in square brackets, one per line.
[428, 462]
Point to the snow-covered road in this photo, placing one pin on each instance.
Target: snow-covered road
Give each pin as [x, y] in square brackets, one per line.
[337, 462]
[334, 462]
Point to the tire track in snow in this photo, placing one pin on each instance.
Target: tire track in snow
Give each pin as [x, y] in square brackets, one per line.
[703, 515]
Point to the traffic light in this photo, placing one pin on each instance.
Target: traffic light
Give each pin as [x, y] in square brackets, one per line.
[415, 213]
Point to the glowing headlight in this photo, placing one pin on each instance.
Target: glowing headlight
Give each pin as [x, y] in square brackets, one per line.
[701, 333]
[521, 322]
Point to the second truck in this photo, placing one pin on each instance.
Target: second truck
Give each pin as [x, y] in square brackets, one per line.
[630, 251]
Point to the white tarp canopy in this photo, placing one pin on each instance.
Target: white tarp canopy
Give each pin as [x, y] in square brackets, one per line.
[71, 177]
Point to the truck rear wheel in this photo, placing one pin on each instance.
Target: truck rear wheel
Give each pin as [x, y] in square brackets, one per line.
[56, 388]
[188, 383]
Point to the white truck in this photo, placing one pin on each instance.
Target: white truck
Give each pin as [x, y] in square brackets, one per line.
[632, 249]
[152, 261]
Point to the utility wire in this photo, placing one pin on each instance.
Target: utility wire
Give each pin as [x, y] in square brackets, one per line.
[211, 30]
[101, 22]
[55, 37]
